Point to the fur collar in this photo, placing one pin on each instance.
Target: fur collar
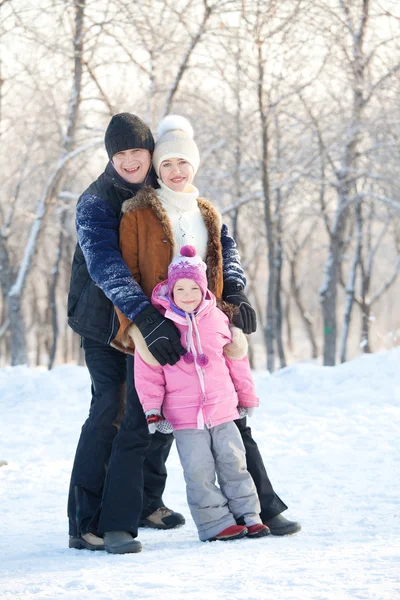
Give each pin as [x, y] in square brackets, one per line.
[147, 198]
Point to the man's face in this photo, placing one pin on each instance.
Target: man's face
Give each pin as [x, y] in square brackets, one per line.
[133, 165]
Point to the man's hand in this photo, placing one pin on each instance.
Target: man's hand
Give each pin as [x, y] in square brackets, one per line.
[246, 319]
[161, 336]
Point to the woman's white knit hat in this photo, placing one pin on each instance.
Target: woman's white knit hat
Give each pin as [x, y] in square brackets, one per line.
[175, 140]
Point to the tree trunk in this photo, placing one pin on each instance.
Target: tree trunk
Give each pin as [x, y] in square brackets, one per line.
[17, 328]
[251, 354]
[279, 255]
[365, 321]
[328, 296]
[278, 305]
[365, 306]
[345, 182]
[53, 291]
[238, 148]
[288, 322]
[350, 289]
[308, 326]
[269, 331]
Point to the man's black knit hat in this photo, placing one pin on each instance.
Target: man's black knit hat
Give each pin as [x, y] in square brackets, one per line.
[126, 131]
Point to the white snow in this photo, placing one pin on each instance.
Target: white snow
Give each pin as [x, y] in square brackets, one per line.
[330, 438]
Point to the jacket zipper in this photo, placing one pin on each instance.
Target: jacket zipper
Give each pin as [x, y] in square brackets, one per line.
[200, 374]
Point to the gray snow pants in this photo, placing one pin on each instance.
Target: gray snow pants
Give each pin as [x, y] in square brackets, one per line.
[217, 451]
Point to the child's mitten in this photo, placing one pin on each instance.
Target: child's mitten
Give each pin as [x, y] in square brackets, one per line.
[245, 412]
[153, 418]
[164, 426]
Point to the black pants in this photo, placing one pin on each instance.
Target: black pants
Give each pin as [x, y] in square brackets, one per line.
[114, 497]
[132, 459]
[271, 504]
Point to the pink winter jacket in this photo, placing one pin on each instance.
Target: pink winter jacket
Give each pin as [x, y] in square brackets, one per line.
[188, 395]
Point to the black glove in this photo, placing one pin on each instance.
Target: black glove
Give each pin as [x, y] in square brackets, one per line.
[246, 318]
[161, 336]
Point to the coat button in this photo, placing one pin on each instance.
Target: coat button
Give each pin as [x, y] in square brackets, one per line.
[165, 241]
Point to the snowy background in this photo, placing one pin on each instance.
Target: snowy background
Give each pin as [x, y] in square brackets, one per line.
[330, 437]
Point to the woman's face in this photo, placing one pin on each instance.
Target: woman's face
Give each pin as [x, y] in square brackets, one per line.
[177, 174]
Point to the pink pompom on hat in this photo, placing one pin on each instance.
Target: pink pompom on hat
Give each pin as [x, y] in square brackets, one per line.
[187, 266]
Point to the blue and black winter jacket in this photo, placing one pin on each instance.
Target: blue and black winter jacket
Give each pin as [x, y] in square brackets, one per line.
[100, 277]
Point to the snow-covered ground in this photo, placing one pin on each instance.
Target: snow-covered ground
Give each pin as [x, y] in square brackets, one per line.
[330, 438]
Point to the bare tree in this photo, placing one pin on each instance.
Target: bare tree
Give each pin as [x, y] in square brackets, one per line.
[51, 190]
[350, 287]
[366, 250]
[294, 248]
[67, 148]
[354, 19]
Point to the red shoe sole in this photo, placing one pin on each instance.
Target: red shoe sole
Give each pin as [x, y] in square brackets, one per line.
[221, 537]
[259, 534]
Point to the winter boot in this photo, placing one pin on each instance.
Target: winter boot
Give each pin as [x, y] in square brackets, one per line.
[280, 526]
[163, 518]
[234, 532]
[86, 541]
[121, 542]
[257, 531]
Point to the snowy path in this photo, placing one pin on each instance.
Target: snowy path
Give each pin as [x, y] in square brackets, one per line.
[330, 438]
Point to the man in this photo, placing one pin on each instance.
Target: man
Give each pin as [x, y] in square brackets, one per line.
[119, 476]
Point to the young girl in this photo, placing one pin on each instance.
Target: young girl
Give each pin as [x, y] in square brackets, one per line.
[199, 396]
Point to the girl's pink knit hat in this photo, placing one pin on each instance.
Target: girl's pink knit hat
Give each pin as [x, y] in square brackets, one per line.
[187, 266]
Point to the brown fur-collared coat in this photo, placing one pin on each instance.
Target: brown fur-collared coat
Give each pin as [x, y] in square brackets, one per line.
[147, 246]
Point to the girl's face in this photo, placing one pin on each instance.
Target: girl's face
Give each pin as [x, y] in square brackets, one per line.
[177, 174]
[187, 295]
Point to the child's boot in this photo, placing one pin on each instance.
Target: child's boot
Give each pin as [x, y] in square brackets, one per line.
[234, 532]
[257, 531]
